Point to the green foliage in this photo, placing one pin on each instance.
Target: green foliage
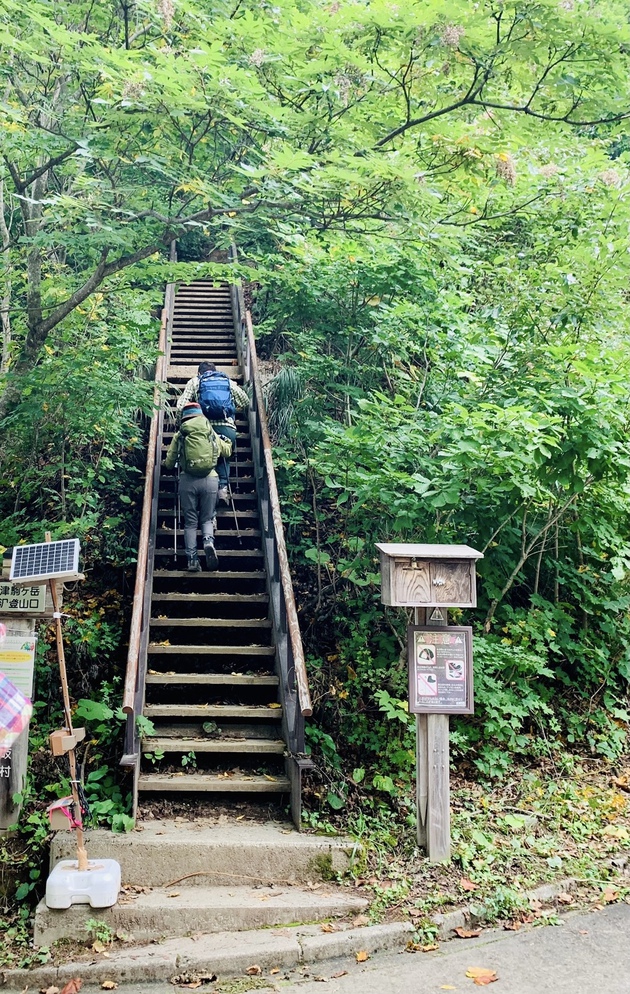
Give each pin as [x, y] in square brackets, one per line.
[99, 931]
[437, 404]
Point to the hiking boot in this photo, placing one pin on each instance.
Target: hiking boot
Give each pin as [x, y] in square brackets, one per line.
[212, 560]
[194, 566]
[222, 495]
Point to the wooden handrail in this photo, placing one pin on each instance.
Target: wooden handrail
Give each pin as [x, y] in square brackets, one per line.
[133, 655]
[293, 627]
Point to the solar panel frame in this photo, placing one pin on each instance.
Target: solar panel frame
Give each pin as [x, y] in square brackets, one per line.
[45, 561]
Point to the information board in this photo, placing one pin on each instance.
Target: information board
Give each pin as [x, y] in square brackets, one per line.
[440, 669]
[15, 598]
[17, 661]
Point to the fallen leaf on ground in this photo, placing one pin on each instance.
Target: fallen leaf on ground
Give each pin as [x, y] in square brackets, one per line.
[98, 946]
[362, 955]
[430, 947]
[275, 970]
[335, 976]
[362, 920]
[535, 905]
[467, 884]
[467, 933]
[73, 986]
[583, 931]
[481, 975]
[109, 985]
[49, 990]
[565, 899]
[329, 927]
[416, 912]
[321, 980]
[174, 893]
[448, 987]
[610, 894]
[253, 971]
[512, 926]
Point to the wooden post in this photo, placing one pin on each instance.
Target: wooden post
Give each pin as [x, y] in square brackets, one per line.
[72, 762]
[432, 765]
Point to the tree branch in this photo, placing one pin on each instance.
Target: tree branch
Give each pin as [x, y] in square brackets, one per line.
[414, 122]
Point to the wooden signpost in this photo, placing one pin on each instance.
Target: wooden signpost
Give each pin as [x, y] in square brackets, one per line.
[432, 578]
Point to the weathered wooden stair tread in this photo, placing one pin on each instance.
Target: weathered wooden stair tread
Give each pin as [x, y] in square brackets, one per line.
[211, 650]
[212, 711]
[219, 533]
[214, 783]
[212, 598]
[210, 623]
[215, 575]
[231, 553]
[265, 747]
[213, 679]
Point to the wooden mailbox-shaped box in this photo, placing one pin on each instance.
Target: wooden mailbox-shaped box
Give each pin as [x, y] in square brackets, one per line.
[428, 575]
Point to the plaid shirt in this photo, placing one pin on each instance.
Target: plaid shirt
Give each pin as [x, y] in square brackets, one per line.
[15, 713]
[190, 395]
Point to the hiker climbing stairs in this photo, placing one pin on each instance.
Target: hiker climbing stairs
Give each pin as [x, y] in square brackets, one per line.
[214, 670]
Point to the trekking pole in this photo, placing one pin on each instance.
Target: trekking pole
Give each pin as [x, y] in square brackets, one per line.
[176, 516]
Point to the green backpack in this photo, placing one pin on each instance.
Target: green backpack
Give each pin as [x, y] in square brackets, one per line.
[200, 448]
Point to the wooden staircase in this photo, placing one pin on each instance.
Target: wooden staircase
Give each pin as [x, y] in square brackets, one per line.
[215, 663]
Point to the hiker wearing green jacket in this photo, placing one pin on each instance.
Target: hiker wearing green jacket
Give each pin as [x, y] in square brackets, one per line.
[223, 423]
[196, 447]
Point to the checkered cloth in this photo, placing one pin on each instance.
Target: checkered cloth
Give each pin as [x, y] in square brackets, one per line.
[15, 713]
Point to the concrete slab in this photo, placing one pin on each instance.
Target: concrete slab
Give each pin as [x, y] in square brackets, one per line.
[373, 939]
[169, 912]
[159, 852]
[226, 954]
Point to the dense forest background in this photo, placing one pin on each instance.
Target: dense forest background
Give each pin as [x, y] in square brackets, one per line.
[431, 205]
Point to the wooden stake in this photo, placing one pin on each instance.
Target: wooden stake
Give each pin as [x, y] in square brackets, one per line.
[432, 777]
[81, 850]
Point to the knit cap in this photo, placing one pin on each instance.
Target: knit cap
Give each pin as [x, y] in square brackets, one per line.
[191, 411]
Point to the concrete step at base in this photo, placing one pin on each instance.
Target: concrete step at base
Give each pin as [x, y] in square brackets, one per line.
[199, 909]
[225, 853]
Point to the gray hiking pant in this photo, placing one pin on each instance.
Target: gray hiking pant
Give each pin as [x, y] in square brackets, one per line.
[198, 499]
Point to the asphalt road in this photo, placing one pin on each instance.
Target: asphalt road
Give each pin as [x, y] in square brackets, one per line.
[588, 954]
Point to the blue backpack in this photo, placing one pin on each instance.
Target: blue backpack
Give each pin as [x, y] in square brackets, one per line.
[215, 396]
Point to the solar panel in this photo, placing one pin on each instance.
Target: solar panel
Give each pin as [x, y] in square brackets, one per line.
[45, 561]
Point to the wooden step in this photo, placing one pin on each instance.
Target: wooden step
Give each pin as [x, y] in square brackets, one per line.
[219, 532]
[241, 711]
[167, 478]
[211, 650]
[210, 623]
[212, 783]
[213, 679]
[226, 553]
[275, 747]
[168, 574]
[212, 598]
